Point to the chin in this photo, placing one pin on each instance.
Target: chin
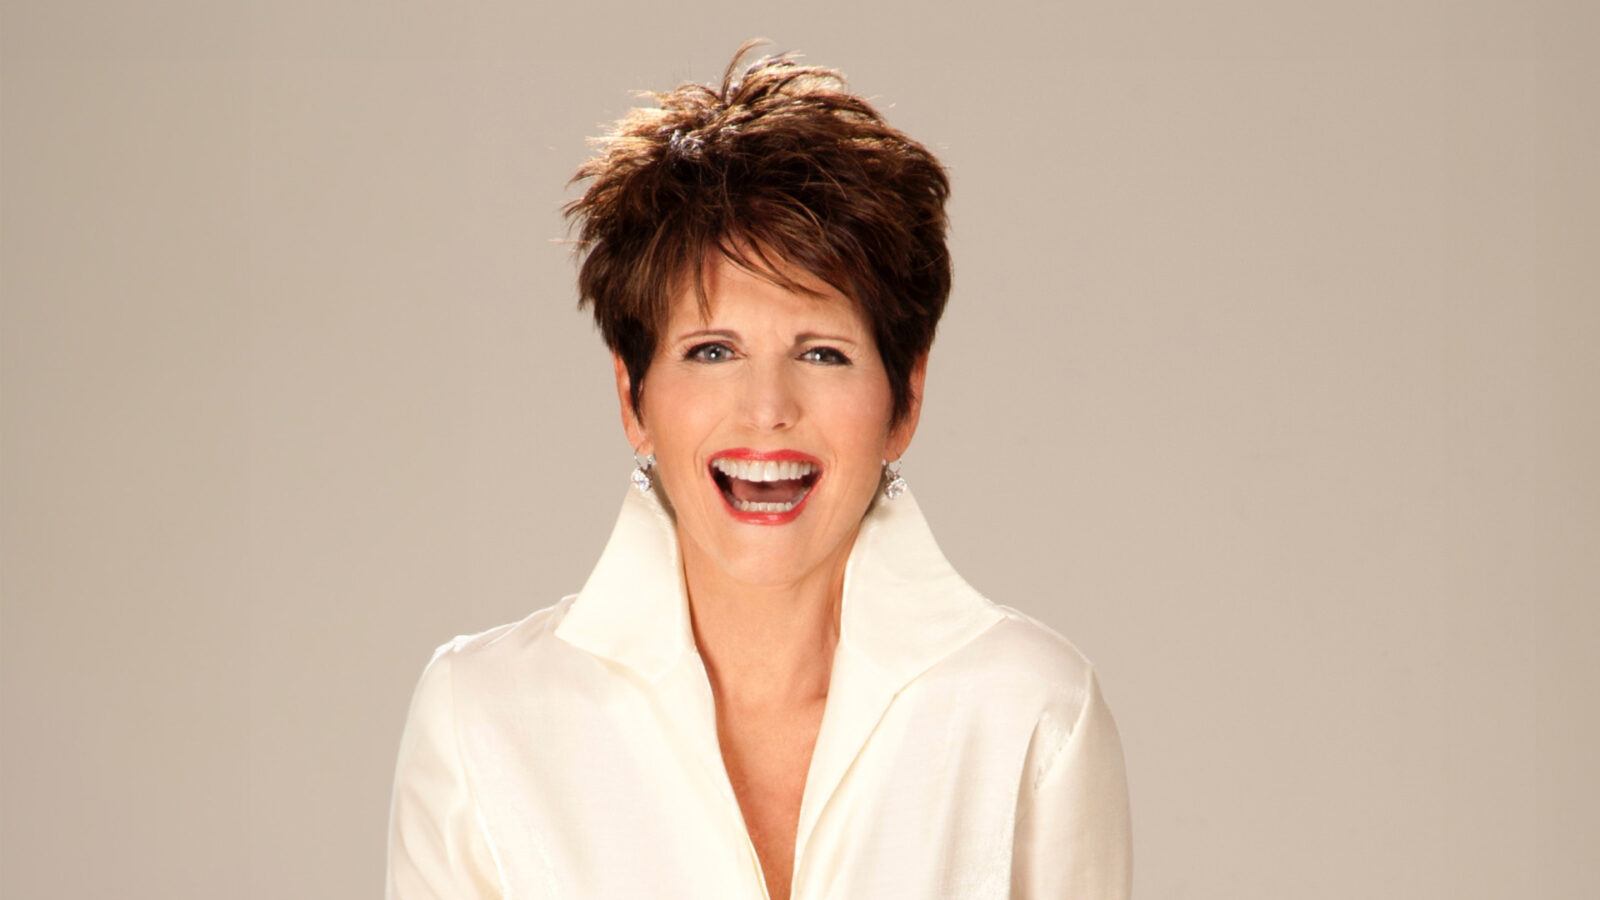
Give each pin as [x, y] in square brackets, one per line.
[770, 526]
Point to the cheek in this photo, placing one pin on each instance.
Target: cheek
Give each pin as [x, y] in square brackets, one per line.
[864, 418]
[676, 419]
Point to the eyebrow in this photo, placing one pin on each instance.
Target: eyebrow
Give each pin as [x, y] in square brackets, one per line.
[801, 338]
[814, 336]
[709, 332]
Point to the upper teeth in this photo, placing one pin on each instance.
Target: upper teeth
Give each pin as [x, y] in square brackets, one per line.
[762, 470]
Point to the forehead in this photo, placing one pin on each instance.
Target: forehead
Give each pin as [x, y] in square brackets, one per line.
[733, 293]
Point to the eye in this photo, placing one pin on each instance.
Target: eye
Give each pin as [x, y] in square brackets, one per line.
[826, 356]
[710, 351]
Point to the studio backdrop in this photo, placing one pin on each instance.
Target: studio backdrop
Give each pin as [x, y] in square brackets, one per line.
[1268, 379]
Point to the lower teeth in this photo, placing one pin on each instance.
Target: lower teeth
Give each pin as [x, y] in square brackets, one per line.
[753, 506]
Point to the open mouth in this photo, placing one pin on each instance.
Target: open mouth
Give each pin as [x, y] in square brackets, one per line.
[764, 485]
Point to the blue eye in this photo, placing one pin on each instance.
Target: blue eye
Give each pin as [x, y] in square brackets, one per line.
[711, 351]
[825, 355]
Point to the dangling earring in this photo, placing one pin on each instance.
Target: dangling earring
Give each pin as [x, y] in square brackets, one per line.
[894, 484]
[641, 471]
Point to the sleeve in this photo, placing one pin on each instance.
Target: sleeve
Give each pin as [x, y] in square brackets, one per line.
[437, 846]
[1073, 837]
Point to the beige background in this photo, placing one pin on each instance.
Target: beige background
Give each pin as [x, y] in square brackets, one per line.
[1269, 379]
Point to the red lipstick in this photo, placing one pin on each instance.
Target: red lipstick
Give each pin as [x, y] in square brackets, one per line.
[723, 483]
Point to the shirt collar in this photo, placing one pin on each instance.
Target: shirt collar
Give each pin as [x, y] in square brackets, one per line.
[904, 606]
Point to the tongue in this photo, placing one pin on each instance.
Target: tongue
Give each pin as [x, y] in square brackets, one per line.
[765, 491]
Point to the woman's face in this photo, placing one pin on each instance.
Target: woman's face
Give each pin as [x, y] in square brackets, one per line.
[769, 421]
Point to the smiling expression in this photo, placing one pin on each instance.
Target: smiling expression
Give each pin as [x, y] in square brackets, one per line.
[769, 420]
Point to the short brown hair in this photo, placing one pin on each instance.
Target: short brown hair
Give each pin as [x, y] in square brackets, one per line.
[781, 162]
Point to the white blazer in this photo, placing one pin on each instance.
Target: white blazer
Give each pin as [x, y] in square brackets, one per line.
[965, 750]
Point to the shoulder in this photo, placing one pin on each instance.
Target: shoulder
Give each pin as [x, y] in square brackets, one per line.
[524, 653]
[1020, 668]
[508, 639]
[1020, 648]
[1051, 689]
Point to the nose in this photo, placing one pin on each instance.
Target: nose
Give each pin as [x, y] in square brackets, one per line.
[769, 401]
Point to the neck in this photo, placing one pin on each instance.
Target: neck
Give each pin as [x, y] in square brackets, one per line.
[765, 645]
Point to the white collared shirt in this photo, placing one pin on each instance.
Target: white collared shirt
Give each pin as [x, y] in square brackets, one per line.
[964, 752]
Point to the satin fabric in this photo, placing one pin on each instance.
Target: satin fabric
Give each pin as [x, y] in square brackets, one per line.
[965, 750]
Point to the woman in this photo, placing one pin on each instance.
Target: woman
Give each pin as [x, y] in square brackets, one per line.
[773, 684]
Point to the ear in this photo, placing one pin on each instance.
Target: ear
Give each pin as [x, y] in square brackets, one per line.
[900, 434]
[632, 423]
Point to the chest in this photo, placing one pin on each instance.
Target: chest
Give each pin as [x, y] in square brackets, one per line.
[655, 795]
[767, 756]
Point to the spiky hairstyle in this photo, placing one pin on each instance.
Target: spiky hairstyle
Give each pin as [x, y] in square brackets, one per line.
[778, 164]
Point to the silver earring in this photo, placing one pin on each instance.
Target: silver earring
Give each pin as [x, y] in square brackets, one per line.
[641, 471]
[894, 484]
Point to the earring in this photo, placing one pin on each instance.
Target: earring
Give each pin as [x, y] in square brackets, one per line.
[894, 484]
[641, 471]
